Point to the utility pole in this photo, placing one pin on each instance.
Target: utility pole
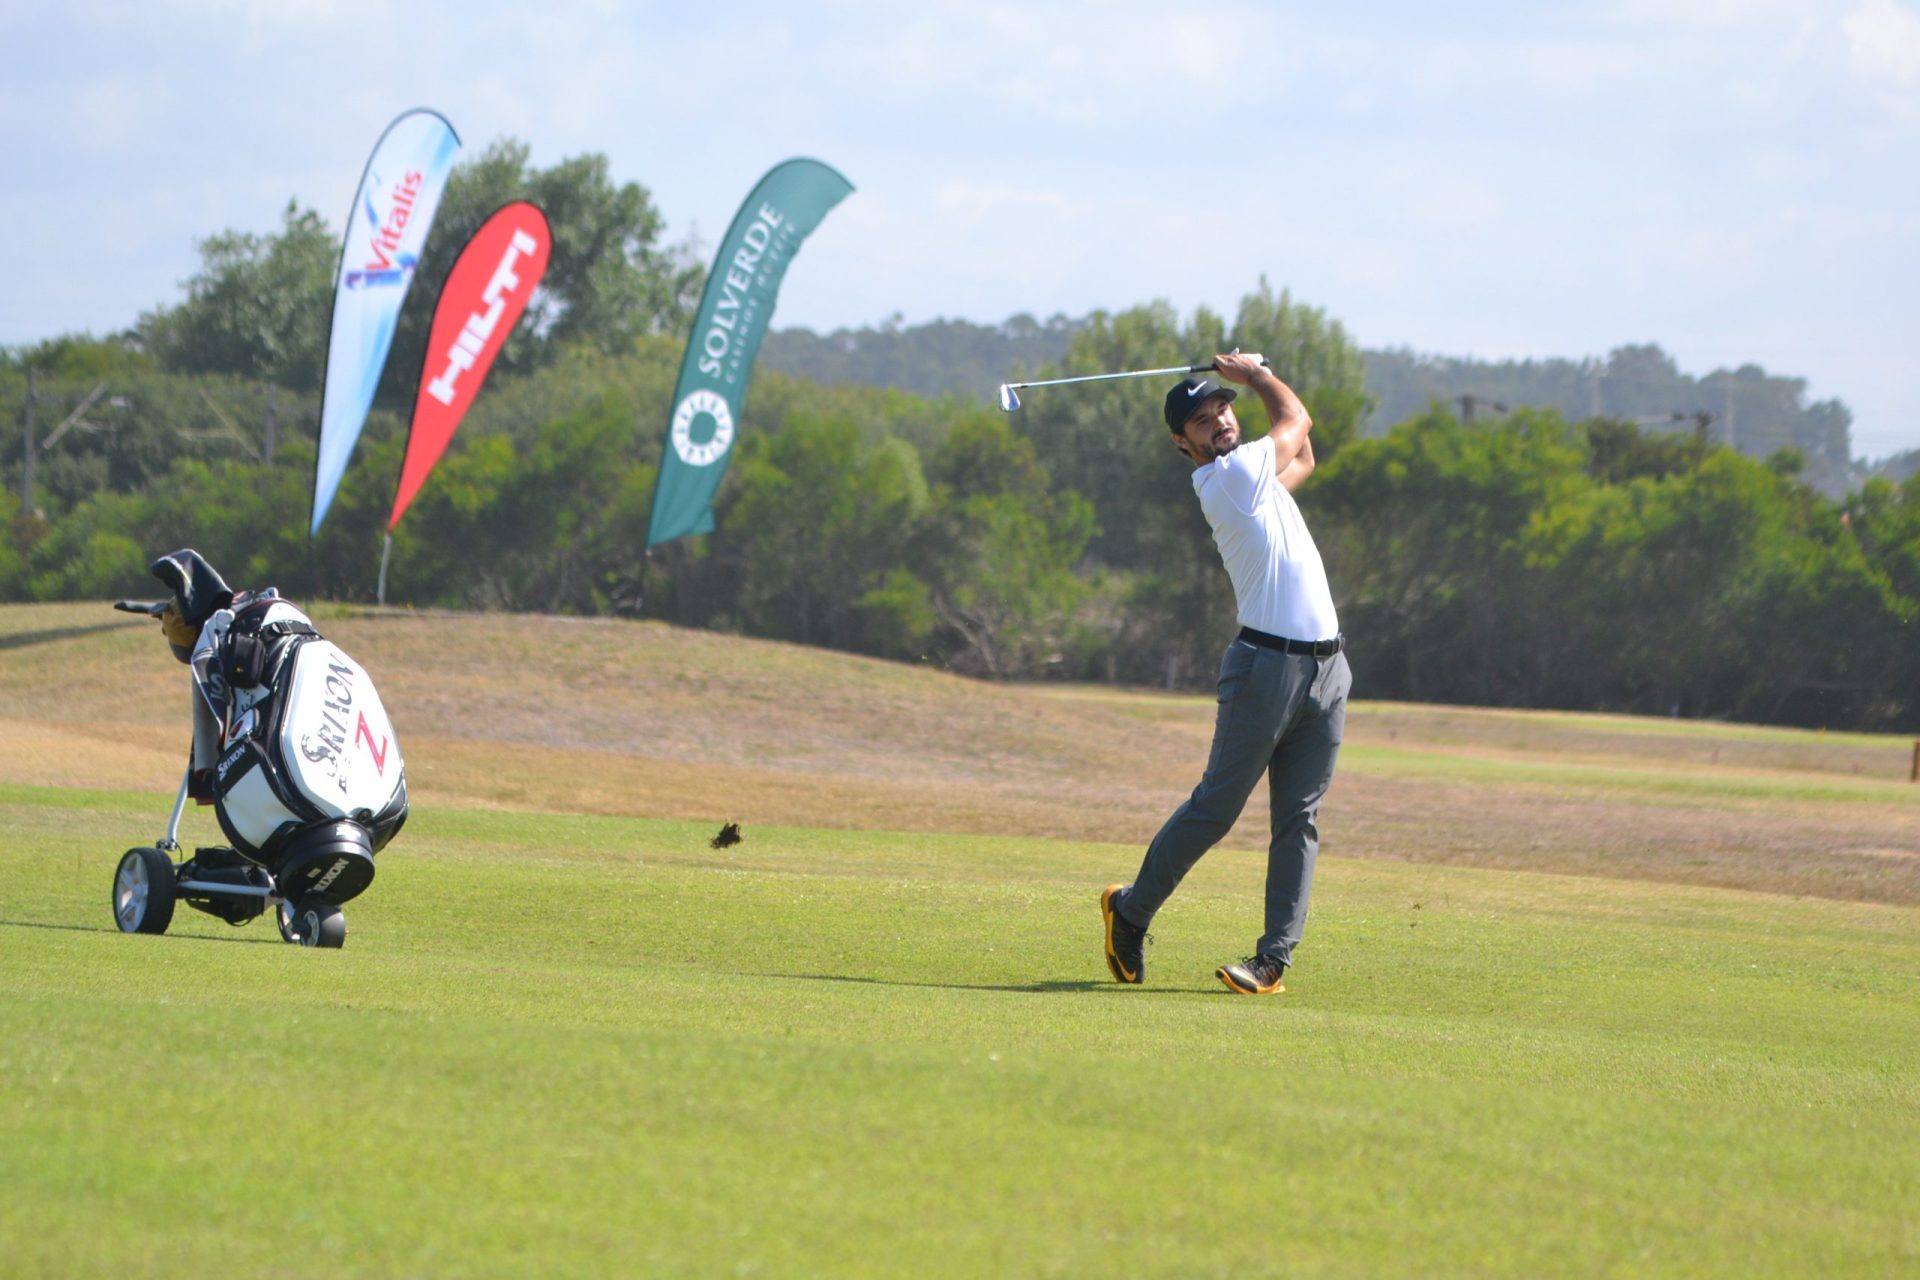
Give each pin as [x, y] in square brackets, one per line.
[1731, 444]
[273, 405]
[26, 468]
[35, 449]
[1470, 403]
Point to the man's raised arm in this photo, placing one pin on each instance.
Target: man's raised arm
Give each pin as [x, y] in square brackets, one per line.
[1292, 455]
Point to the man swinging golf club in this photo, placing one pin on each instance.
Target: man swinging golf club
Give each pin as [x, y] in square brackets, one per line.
[1283, 681]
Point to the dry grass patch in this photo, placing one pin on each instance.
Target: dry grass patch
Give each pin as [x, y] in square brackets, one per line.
[645, 720]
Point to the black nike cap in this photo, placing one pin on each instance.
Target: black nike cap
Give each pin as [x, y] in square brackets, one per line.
[1186, 398]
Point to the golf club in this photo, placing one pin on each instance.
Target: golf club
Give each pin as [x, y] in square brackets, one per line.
[1009, 400]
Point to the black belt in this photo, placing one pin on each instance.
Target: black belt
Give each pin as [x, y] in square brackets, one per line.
[1317, 648]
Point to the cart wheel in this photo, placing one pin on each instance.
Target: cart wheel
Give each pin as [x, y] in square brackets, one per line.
[143, 892]
[319, 926]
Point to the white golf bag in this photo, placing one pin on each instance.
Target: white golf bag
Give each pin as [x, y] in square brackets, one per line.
[308, 781]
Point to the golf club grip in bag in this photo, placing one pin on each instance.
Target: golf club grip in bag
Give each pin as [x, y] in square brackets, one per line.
[310, 781]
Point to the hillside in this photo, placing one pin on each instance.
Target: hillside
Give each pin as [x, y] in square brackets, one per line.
[645, 720]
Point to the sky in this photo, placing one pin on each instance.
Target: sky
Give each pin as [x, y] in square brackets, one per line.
[1735, 180]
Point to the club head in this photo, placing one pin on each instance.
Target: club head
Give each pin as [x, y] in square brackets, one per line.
[1009, 401]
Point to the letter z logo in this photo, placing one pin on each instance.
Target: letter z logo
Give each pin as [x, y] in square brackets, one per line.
[379, 753]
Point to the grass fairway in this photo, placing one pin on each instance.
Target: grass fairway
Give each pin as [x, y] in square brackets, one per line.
[565, 1045]
[1581, 996]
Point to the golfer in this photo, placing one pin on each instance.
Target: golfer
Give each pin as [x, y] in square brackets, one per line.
[1283, 681]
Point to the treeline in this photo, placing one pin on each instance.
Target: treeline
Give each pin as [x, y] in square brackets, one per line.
[934, 359]
[1748, 409]
[1522, 558]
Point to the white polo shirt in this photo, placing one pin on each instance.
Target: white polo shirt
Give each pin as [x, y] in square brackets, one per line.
[1278, 579]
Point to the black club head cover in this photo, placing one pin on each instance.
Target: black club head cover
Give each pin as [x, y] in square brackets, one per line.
[198, 589]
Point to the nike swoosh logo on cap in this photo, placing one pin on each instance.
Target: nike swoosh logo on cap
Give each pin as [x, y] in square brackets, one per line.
[1193, 391]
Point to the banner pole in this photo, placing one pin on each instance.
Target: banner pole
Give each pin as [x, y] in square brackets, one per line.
[380, 596]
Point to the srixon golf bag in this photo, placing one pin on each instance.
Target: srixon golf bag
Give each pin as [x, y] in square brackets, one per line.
[308, 781]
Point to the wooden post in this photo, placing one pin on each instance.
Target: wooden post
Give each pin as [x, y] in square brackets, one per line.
[1914, 774]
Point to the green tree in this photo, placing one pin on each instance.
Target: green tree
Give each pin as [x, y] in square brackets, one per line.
[999, 551]
[75, 358]
[1620, 451]
[1426, 532]
[608, 281]
[938, 358]
[1315, 355]
[536, 526]
[816, 522]
[1748, 408]
[1106, 440]
[107, 422]
[1885, 518]
[257, 308]
[1718, 591]
[260, 305]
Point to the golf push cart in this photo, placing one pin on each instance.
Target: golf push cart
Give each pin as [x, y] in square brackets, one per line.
[295, 753]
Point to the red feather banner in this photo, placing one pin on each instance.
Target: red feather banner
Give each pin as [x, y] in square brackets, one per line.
[485, 294]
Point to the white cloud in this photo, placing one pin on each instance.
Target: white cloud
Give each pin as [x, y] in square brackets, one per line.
[1060, 63]
[1883, 37]
[1498, 177]
[1718, 15]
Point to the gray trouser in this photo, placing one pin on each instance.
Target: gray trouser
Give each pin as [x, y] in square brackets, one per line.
[1281, 714]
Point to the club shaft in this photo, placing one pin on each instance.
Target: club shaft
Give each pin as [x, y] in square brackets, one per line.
[1107, 377]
